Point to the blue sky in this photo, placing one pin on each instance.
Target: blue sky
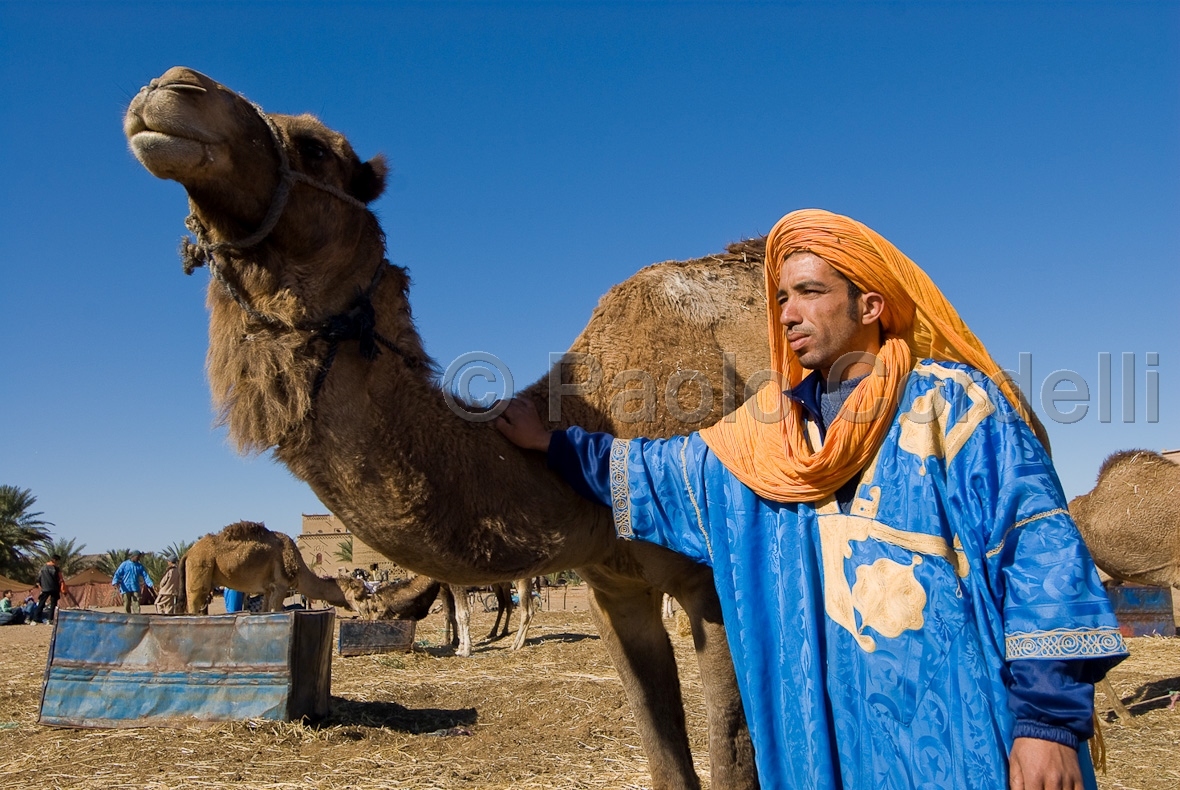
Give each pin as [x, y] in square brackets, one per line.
[1026, 155]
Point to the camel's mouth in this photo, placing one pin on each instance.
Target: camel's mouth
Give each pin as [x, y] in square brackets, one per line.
[172, 125]
[168, 155]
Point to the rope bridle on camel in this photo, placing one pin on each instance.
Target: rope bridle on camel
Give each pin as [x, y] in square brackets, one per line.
[358, 323]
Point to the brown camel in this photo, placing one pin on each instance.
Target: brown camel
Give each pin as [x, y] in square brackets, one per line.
[457, 602]
[248, 557]
[402, 599]
[313, 353]
[1131, 524]
[1131, 519]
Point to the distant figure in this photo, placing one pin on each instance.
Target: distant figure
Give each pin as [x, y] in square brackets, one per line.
[9, 614]
[169, 590]
[49, 580]
[130, 577]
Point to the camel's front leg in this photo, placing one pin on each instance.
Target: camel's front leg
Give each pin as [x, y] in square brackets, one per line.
[503, 609]
[198, 583]
[524, 593]
[274, 597]
[462, 620]
[627, 613]
[731, 752]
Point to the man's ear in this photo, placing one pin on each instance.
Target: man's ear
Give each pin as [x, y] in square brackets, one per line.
[872, 306]
[368, 182]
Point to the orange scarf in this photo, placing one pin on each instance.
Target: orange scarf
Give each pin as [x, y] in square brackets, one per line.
[764, 444]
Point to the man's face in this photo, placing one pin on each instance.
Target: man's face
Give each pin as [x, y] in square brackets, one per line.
[822, 321]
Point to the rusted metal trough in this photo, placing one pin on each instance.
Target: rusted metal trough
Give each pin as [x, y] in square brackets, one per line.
[364, 637]
[137, 670]
[1143, 611]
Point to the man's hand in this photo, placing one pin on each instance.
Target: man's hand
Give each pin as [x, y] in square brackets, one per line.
[522, 426]
[1043, 765]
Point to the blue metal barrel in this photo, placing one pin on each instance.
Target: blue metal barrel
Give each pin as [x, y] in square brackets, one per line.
[137, 670]
[1143, 611]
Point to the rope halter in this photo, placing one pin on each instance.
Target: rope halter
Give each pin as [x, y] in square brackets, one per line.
[358, 323]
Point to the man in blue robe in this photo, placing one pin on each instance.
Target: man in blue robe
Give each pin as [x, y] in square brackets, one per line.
[930, 618]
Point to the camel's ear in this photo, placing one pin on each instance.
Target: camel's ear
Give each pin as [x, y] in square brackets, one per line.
[368, 182]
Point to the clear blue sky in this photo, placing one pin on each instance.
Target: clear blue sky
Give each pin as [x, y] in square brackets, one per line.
[1026, 155]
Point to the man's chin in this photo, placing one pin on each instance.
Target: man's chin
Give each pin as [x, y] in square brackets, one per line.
[809, 361]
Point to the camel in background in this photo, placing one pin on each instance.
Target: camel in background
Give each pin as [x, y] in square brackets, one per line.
[1131, 524]
[401, 599]
[313, 353]
[457, 604]
[411, 599]
[250, 558]
[1131, 519]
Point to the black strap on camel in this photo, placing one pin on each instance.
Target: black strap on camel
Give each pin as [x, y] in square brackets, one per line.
[358, 323]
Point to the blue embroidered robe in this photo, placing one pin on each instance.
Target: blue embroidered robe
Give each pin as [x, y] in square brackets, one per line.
[871, 647]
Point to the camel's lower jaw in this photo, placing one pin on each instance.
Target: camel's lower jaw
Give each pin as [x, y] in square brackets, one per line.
[168, 156]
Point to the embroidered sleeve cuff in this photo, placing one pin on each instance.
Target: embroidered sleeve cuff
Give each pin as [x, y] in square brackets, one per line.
[1065, 643]
[1045, 732]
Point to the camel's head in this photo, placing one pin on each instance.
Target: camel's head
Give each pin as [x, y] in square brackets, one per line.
[357, 595]
[186, 127]
[403, 599]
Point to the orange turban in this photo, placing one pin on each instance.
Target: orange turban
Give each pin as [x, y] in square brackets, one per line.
[763, 444]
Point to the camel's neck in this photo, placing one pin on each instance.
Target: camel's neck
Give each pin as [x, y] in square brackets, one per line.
[437, 494]
[319, 589]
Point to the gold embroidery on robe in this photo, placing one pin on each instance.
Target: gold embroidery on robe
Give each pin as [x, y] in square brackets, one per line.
[924, 428]
[887, 595]
[890, 600]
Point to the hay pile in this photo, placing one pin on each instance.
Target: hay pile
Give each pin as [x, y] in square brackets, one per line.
[551, 716]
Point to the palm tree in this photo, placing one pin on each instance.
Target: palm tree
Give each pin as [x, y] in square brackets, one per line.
[174, 551]
[70, 561]
[344, 551]
[21, 532]
[111, 561]
[155, 565]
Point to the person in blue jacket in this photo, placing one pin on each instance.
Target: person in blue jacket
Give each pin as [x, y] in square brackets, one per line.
[130, 578]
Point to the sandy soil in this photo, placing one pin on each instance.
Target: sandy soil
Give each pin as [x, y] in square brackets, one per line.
[550, 716]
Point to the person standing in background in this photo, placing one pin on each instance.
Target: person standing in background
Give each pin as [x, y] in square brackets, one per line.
[130, 577]
[49, 580]
[169, 591]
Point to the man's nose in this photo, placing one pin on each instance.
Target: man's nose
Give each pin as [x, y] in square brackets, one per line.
[787, 315]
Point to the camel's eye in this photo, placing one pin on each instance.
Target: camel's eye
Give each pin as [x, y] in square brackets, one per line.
[312, 150]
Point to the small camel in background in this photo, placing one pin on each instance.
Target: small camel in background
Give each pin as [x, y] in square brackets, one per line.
[458, 607]
[401, 599]
[250, 558]
[410, 599]
[1131, 524]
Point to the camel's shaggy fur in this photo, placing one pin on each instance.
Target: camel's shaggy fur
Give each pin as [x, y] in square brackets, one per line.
[1131, 519]
[665, 353]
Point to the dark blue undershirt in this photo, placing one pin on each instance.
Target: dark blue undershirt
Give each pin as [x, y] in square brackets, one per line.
[1050, 700]
[821, 407]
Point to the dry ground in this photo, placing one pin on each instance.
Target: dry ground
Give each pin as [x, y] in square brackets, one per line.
[551, 716]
